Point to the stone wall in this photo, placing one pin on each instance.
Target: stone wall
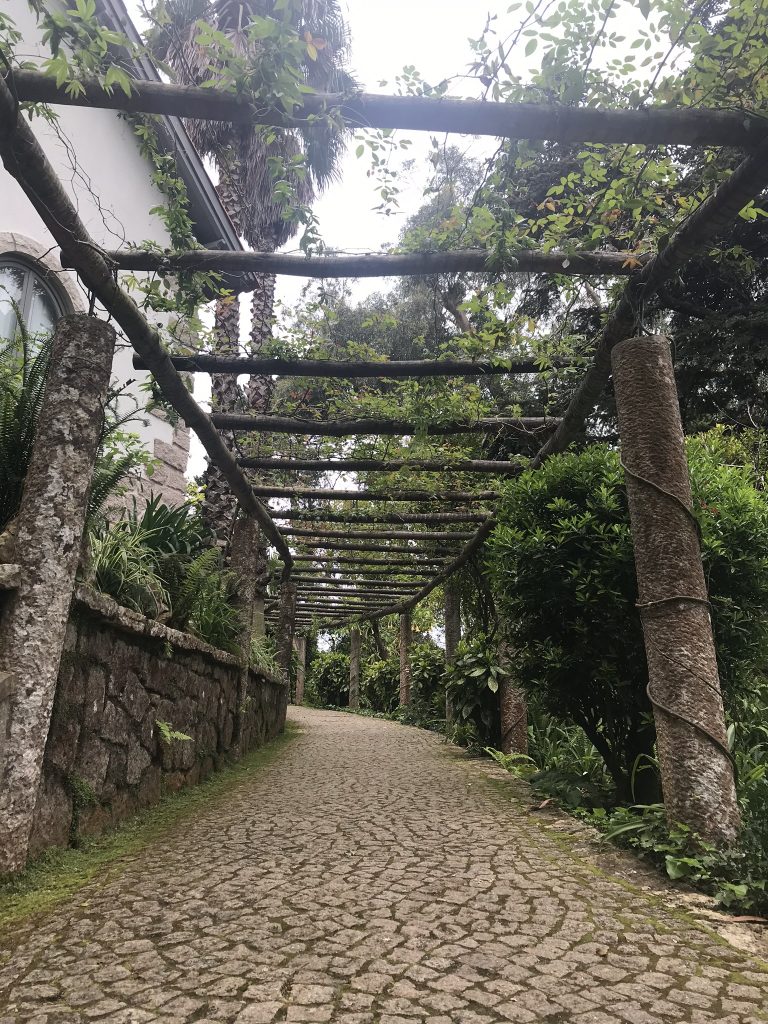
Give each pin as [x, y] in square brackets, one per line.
[120, 675]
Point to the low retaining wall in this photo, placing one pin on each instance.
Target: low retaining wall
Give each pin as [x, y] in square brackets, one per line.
[120, 675]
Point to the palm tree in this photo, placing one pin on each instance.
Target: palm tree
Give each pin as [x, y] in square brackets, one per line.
[242, 157]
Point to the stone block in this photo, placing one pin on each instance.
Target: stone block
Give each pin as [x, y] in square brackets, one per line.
[134, 698]
[137, 761]
[53, 816]
[95, 694]
[61, 748]
[115, 724]
[92, 761]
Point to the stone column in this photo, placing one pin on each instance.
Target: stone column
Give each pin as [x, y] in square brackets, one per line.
[300, 643]
[49, 533]
[244, 562]
[286, 627]
[405, 659]
[354, 668]
[513, 710]
[452, 634]
[684, 686]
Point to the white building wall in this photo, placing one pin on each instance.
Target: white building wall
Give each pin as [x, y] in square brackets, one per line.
[97, 158]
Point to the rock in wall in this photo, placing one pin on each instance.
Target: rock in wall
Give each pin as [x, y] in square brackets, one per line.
[120, 675]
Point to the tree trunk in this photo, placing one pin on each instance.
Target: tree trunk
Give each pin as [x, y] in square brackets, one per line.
[49, 533]
[286, 627]
[452, 635]
[300, 644]
[354, 668]
[261, 388]
[684, 685]
[405, 659]
[219, 507]
[513, 710]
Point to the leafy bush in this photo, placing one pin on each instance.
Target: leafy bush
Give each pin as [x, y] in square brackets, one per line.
[564, 578]
[472, 686]
[328, 679]
[123, 565]
[380, 686]
[264, 654]
[427, 704]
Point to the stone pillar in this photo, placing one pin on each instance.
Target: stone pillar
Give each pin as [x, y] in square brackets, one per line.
[49, 533]
[452, 634]
[285, 628]
[354, 668]
[244, 562]
[405, 659]
[684, 686]
[300, 643]
[513, 710]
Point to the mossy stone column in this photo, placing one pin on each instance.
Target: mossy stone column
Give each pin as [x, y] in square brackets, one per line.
[48, 540]
[300, 645]
[684, 686]
[513, 709]
[354, 668]
[405, 658]
[452, 605]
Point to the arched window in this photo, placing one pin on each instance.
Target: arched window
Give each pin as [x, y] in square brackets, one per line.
[24, 287]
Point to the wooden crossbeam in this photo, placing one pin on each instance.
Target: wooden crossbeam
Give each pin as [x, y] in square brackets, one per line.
[413, 264]
[375, 518]
[376, 534]
[649, 126]
[347, 368]
[388, 584]
[25, 161]
[329, 494]
[384, 465]
[411, 563]
[525, 426]
[394, 549]
[364, 575]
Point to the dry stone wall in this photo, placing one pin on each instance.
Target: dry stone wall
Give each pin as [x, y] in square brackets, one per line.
[120, 675]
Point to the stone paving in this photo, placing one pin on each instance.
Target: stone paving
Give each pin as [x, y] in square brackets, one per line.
[369, 875]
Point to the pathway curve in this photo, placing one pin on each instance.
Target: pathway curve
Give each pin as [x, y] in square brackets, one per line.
[369, 875]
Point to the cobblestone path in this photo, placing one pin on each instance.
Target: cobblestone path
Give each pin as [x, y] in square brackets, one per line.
[368, 875]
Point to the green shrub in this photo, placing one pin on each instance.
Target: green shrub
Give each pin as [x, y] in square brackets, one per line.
[328, 679]
[380, 686]
[427, 704]
[472, 685]
[564, 579]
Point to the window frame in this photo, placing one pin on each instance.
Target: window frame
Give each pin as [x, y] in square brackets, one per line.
[32, 271]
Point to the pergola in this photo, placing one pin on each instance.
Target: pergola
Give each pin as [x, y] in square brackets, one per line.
[696, 769]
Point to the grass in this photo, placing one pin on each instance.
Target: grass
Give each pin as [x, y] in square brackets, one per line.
[59, 874]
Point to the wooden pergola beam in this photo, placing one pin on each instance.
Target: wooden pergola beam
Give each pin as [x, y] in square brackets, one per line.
[384, 465]
[412, 264]
[26, 162]
[393, 549]
[346, 368]
[528, 426]
[415, 563]
[368, 576]
[375, 534]
[648, 126]
[329, 494]
[300, 578]
[374, 518]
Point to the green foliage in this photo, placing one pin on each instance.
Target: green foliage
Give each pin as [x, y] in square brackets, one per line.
[328, 679]
[264, 655]
[169, 735]
[472, 685]
[563, 573]
[427, 704]
[123, 565]
[204, 602]
[380, 685]
[23, 373]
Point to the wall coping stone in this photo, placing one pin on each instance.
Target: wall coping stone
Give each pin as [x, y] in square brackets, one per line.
[106, 608]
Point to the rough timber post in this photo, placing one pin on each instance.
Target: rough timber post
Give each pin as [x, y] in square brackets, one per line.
[513, 710]
[684, 686]
[49, 532]
[354, 668]
[405, 659]
[300, 644]
[452, 634]
[286, 627]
